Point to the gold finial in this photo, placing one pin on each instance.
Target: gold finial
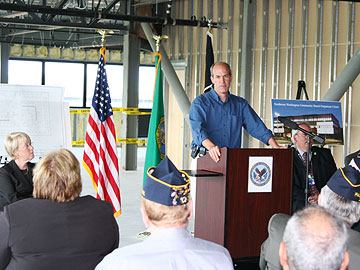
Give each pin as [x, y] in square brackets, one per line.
[103, 34]
[158, 40]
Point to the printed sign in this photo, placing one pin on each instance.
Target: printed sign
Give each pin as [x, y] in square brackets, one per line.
[260, 174]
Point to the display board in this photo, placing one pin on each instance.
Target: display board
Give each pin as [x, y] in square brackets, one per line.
[324, 118]
[38, 111]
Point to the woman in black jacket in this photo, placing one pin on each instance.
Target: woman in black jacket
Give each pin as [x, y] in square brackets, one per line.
[16, 177]
[57, 229]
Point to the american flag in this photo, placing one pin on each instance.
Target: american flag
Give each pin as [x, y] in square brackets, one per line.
[100, 155]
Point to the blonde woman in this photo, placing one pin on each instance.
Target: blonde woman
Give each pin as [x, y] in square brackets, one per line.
[57, 229]
[16, 177]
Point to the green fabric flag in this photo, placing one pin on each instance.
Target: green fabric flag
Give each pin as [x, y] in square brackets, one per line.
[155, 150]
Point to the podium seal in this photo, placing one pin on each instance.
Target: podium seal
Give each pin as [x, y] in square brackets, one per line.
[260, 174]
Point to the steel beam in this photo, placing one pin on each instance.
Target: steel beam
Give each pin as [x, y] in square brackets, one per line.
[170, 74]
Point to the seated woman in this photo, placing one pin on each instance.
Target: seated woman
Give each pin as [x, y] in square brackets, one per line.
[16, 176]
[57, 229]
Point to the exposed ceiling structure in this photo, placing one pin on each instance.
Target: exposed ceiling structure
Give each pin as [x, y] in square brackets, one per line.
[70, 23]
[73, 23]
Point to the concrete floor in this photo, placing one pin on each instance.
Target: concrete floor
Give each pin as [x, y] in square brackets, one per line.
[130, 222]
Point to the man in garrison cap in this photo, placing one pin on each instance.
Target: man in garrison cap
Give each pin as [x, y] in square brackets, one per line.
[166, 209]
[341, 197]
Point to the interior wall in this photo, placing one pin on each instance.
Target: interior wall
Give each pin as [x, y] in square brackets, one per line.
[310, 40]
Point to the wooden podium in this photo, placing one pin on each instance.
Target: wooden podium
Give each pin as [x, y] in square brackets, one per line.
[230, 216]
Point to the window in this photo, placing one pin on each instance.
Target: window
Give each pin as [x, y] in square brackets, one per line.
[115, 80]
[68, 75]
[25, 72]
[71, 77]
[146, 86]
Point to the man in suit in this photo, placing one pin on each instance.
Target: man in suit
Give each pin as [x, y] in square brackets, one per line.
[166, 208]
[340, 196]
[321, 168]
[314, 239]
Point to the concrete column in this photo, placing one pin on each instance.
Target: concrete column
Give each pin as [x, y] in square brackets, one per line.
[130, 99]
[4, 65]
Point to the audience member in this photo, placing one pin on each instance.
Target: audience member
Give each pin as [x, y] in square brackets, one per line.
[57, 229]
[321, 168]
[217, 117]
[16, 177]
[340, 197]
[349, 157]
[314, 239]
[166, 208]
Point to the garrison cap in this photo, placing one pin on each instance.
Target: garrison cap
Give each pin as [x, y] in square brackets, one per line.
[166, 185]
[346, 183]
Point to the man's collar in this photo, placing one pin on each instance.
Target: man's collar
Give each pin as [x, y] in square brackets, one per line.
[216, 96]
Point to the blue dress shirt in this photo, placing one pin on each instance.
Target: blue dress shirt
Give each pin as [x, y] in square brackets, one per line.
[222, 122]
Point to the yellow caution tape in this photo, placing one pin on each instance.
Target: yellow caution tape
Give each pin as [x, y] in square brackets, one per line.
[78, 142]
[128, 141]
[130, 111]
[80, 111]
[138, 113]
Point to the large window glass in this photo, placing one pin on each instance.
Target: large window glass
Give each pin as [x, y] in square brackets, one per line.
[146, 86]
[25, 72]
[115, 80]
[71, 77]
[68, 75]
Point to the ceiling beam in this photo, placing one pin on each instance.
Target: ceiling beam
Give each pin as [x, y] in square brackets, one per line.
[106, 26]
[112, 16]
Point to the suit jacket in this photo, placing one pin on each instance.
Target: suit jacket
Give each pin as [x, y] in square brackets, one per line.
[323, 166]
[169, 248]
[43, 234]
[348, 158]
[14, 185]
[269, 257]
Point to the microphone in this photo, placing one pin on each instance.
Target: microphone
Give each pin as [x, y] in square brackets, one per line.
[288, 122]
[293, 125]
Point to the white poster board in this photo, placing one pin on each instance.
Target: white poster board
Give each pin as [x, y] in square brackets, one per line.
[38, 111]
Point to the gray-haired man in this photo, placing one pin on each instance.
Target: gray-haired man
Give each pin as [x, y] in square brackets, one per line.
[340, 196]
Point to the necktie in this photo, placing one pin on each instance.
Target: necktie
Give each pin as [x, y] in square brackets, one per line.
[312, 187]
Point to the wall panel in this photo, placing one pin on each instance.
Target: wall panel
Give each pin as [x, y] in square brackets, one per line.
[291, 39]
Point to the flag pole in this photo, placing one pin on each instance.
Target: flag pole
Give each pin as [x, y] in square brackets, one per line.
[158, 41]
[103, 34]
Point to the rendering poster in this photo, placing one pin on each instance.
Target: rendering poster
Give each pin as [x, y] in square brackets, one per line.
[324, 118]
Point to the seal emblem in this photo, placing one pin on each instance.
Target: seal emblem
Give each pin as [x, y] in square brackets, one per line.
[160, 137]
[260, 174]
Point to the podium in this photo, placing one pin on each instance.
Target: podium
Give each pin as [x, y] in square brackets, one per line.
[230, 216]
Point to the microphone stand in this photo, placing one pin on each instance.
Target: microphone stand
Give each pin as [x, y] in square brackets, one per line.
[293, 125]
[318, 139]
[306, 191]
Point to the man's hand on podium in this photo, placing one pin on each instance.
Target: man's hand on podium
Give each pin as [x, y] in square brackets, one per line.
[215, 153]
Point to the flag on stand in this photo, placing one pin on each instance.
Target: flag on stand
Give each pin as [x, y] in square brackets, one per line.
[155, 150]
[209, 60]
[100, 155]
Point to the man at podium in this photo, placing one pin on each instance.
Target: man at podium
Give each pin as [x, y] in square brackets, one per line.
[217, 117]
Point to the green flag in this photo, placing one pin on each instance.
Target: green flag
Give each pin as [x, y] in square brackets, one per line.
[155, 150]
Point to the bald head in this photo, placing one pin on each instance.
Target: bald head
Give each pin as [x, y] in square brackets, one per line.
[314, 239]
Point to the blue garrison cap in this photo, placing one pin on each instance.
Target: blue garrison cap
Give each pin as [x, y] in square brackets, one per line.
[357, 160]
[166, 185]
[346, 183]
